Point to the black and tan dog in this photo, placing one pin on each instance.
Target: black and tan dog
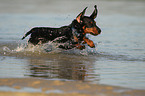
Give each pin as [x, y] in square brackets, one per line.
[72, 36]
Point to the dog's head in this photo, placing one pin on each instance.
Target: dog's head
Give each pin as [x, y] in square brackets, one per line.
[88, 23]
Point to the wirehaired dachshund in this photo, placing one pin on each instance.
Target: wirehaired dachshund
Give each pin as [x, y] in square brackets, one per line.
[71, 36]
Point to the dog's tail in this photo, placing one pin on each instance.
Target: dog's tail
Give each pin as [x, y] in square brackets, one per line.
[26, 34]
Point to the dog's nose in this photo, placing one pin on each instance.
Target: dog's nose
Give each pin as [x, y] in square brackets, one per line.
[99, 30]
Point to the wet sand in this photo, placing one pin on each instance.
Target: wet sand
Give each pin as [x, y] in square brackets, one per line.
[39, 87]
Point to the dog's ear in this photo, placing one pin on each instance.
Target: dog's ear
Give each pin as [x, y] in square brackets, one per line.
[81, 15]
[94, 14]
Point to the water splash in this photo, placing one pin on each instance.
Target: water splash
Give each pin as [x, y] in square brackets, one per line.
[47, 48]
[30, 48]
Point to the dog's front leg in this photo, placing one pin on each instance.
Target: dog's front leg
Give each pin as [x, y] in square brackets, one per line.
[89, 42]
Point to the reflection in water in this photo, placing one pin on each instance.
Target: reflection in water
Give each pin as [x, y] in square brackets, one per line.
[71, 68]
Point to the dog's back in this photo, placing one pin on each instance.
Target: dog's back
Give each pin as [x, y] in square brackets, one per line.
[45, 34]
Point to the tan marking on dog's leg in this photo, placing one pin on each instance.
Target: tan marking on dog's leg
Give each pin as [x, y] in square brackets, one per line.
[76, 39]
[89, 42]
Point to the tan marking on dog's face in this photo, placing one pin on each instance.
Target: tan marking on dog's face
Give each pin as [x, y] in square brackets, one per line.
[92, 31]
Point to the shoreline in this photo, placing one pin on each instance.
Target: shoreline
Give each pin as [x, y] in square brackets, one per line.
[41, 87]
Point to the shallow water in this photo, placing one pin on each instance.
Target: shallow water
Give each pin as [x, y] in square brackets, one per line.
[118, 59]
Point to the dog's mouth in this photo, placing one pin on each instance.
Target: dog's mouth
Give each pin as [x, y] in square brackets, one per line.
[93, 34]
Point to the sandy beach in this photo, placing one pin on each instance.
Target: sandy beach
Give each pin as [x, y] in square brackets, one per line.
[39, 87]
